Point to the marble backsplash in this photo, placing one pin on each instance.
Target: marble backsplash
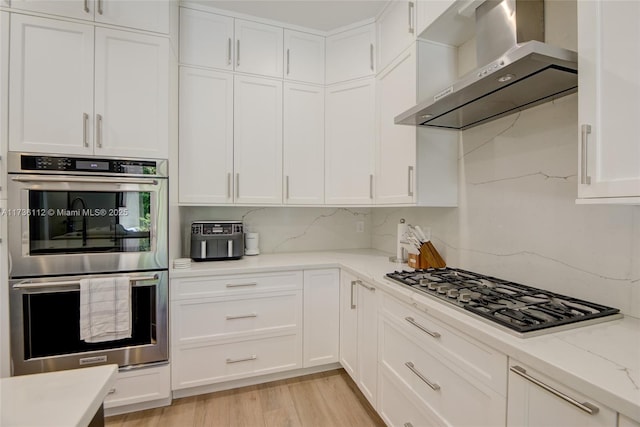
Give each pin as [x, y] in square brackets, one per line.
[517, 218]
[284, 229]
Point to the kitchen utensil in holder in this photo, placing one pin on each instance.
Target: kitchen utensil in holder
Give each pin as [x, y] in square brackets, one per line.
[430, 256]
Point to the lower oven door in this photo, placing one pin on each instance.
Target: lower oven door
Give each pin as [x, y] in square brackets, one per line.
[45, 324]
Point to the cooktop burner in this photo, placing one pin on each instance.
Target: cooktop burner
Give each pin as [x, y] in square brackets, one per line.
[518, 307]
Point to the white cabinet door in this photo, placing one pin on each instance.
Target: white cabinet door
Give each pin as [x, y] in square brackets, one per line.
[80, 9]
[428, 11]
[609, 99]
[140, 385]
[351, 54]
[367, 308]
[396, 145]
[258, 48]
[395, 30]
[349, 323]
[206, 137]
[143, 15]
[304, 57]
[131, 94]
[349, 143]
[51, 86]
[321, 317]
[531, 405]
[206, 39]
[303, 144]
[258, 140]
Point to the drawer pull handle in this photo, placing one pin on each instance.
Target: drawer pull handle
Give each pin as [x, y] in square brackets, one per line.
[408, 425]
[241, 285]
[111, 391]
[246, 359]
[367, 287]
[584, 406]
[242, 316]
[434, 386]
[422, 328]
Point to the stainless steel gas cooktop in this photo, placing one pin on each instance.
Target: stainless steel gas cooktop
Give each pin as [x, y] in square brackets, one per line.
[527, 311]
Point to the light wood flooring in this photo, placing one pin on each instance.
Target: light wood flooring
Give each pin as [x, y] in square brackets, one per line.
[327, 399]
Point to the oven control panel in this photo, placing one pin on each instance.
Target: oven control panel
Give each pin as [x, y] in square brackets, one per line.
[87, 165]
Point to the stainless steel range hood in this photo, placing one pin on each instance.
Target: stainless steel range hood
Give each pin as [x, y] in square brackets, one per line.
[519, 71]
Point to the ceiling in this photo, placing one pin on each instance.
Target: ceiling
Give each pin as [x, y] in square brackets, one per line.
[323, 15]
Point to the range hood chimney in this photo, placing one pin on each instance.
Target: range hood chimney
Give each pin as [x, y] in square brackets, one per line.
[520, 71]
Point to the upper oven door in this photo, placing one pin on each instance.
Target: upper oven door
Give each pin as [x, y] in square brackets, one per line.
[86, 224]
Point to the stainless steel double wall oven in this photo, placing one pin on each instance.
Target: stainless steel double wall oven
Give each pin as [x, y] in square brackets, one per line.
[74, 218]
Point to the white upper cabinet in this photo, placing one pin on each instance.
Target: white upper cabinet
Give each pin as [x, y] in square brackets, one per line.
[258, 48]
[131, 94]
[396, 31]
[206, 39]
[143, 15]
[349, 143]
[206, 137]
[351, 54]
[428, 11]
[258, 140]
[396, 145]
[303, 144]
[609, 101]
[304, 57]
[51, 86]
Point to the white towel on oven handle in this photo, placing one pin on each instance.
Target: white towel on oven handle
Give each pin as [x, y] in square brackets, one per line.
[105, 309]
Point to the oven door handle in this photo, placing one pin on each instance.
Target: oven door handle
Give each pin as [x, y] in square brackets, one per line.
[71, 283]
[110, 180]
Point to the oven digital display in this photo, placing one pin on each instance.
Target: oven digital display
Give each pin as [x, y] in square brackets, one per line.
[92, 165]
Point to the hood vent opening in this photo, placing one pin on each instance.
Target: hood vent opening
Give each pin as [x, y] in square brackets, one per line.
[518, 70]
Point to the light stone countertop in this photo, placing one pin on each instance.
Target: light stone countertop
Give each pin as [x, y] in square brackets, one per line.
[602, 361]
[62, 398]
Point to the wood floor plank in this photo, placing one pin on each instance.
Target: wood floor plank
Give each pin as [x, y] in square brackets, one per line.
[181, 413]
[246, 408]
[148, 418]
[214, 409]
[278, 407]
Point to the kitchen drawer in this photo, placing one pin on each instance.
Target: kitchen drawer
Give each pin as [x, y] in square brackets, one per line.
[206, 319]
[199, 287]
[458, 399]
[140, 385]
[197, 365]
[476, 359]
[398, 406]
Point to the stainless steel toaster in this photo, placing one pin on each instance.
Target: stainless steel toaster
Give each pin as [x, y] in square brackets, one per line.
[216, 240]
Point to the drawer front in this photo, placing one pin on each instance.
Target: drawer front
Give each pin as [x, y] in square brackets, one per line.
[139, 385]
[199, 287]
[198, 320]
[476, 359]
[457, 398]
[399, 408]
[201, 365]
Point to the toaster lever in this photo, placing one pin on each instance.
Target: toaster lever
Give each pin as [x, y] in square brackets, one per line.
[203, 249]
[229, 248]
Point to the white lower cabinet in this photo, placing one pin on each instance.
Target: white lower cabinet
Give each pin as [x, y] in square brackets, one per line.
[139, 385]
[321, 333]
[537, 400]
[627, 422]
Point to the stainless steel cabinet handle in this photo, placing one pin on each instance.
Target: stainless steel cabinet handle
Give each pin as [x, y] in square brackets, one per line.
[584, 406]
[100, 7]
[242, 316]
[411, 6]
[246, 359]
[237, 186]
[99, 130]
[111, 391]
[241, 285]
[434, 386]
[229, 52]
[367, 287]
[371, 186]
[371, 55]
[422, 328]
[229, 195]
[237, 53]
[86, 6]
[584, 178]
[408, 425]
[410, 181]
[288, 62]
[353, 304]
[85, 129]
[287, 186]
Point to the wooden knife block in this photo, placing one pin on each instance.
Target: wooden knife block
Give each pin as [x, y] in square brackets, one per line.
[430, 256]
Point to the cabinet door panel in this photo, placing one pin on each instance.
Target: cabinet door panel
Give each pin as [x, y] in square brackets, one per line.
[368, 342]
[396, 31]
[79, 9]
[321, 317]
[609, 98]
[348, 323]
[206, 39]
[51, 86]
[131, 94]
[258, 48]
[303, 144]
[140, 14]
[206, 137]
[258, 140]
[351, 54]
[304, 57]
